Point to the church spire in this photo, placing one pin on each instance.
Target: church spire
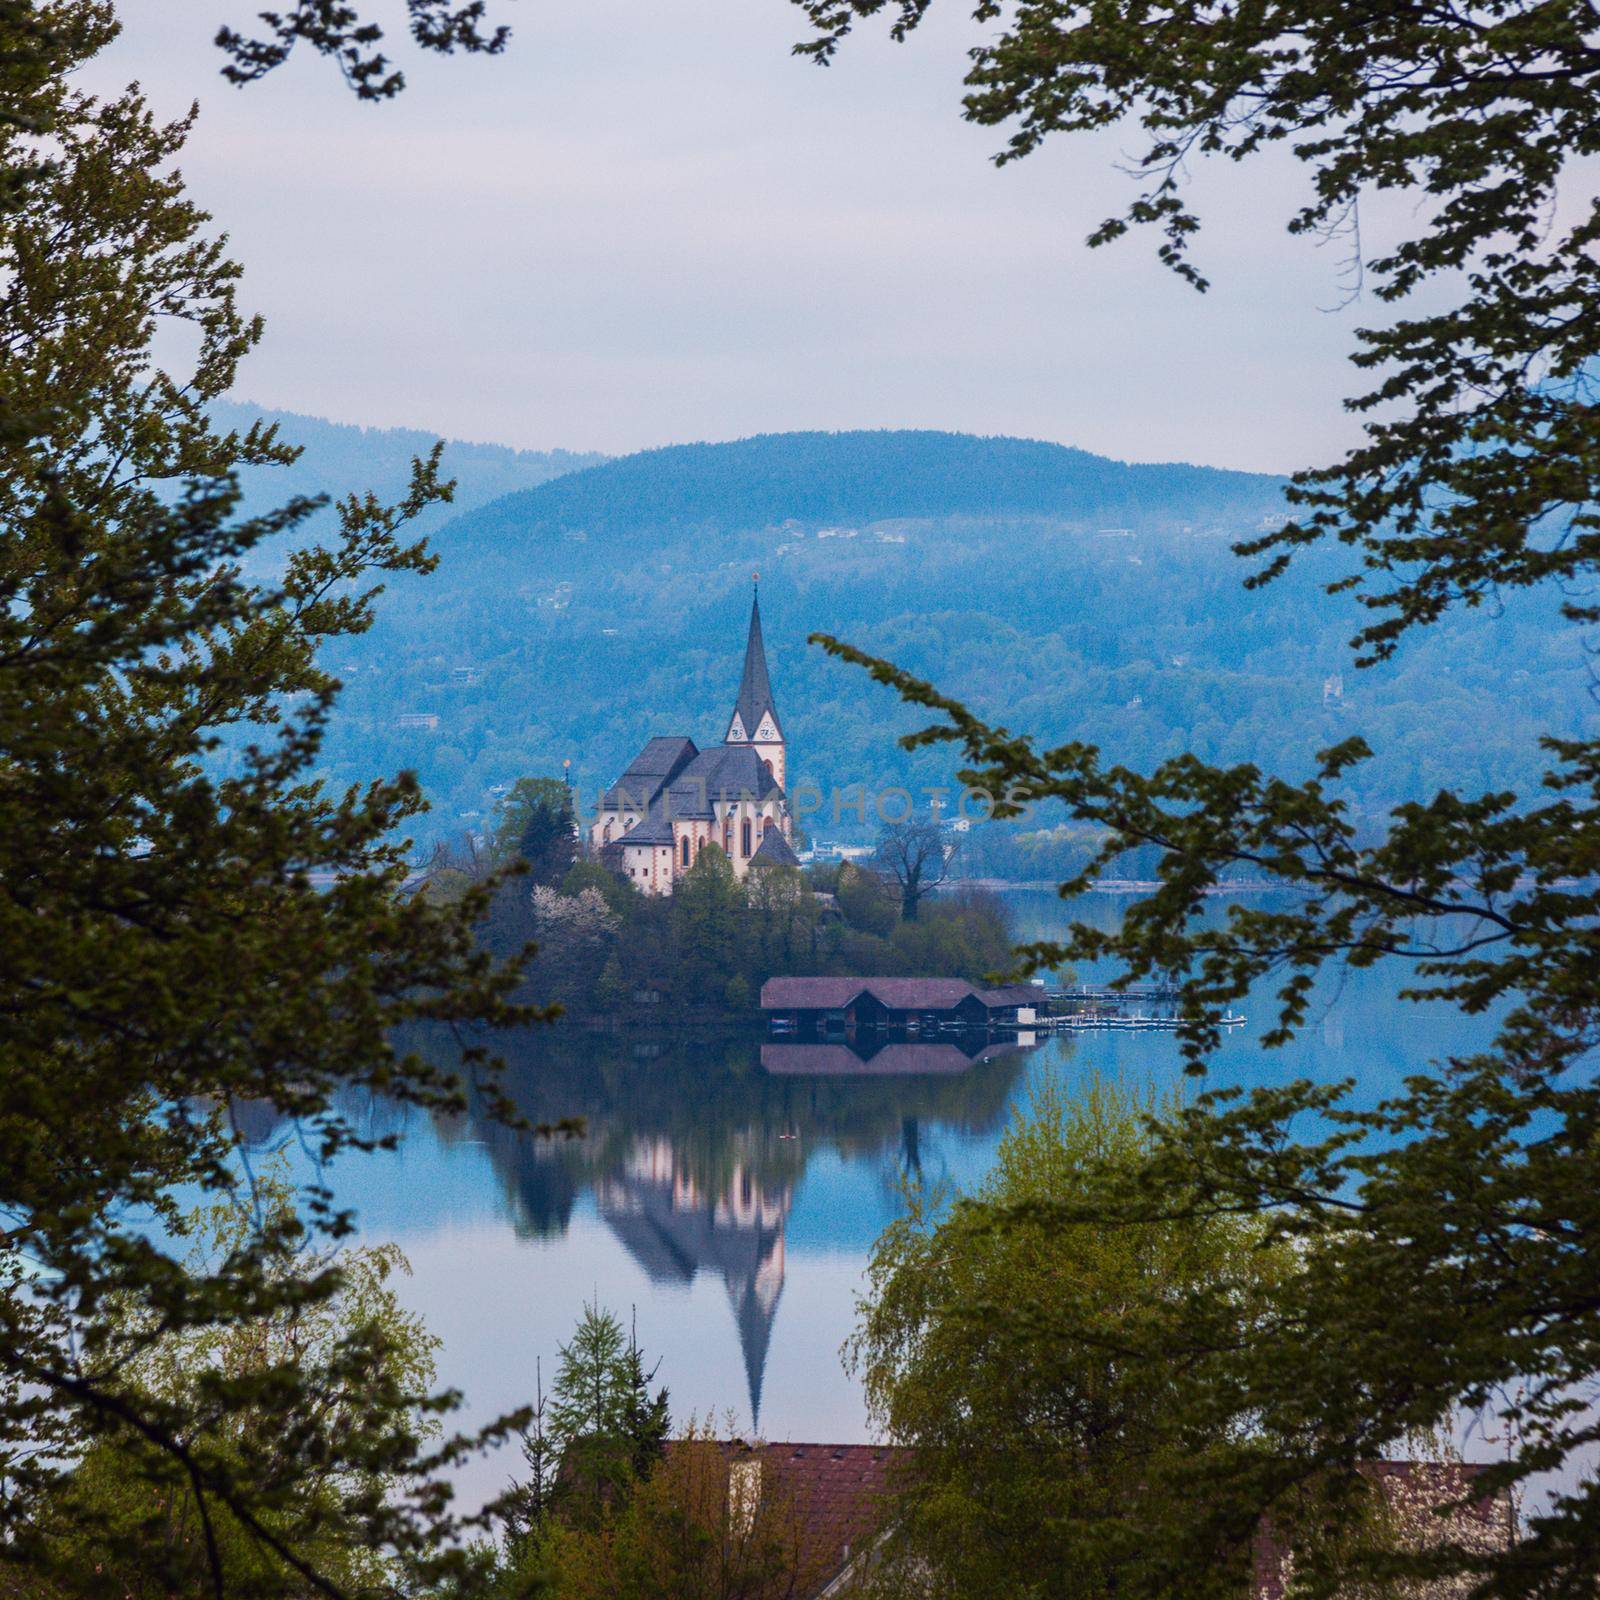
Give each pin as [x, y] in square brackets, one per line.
[755, 688]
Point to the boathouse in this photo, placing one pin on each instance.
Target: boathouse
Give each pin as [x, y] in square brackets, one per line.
[878, 1004]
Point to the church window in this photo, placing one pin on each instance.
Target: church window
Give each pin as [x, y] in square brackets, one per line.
[685, 850]
[771, 771]
[744, 836]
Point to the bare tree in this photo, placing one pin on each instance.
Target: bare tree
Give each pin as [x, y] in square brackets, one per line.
[918, 854]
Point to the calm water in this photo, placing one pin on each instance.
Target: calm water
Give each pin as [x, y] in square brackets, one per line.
[730, 1207]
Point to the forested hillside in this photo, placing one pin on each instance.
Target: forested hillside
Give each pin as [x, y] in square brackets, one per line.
[1054, 590]
[815, 478]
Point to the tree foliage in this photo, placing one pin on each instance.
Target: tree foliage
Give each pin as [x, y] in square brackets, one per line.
[165, 948]
[1449, 1233]
[536, 822]
[591, 1445]
[991, 1342]
[341, 31]
[125, 1494]
[919, 855]
[609, 1429]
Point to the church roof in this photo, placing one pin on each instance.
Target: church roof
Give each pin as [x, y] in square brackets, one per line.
[661, 760]
[777, 849]
[656, 828]
[755, 688]
[724, 772]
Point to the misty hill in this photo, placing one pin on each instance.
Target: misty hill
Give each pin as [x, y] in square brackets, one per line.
[1052, 590]
[339, 458]
[815, 478]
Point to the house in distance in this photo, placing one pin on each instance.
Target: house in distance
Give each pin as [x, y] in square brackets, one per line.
[674, 799]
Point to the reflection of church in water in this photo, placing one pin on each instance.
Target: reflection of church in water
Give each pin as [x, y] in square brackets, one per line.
[676, 1227]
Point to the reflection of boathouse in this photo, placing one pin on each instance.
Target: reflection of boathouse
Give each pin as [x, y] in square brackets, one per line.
[874, 1056]
[676, 1226]
[913, 1004]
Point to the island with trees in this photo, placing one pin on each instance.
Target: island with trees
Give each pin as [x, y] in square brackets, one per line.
[604, 951]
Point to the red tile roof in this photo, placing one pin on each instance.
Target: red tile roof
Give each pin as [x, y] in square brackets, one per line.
[841, 1495]
[832, 994]
[841, 1490]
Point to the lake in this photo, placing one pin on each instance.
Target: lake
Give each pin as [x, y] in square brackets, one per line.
[728, 1209]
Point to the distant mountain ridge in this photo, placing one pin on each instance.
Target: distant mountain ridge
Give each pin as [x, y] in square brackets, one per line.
[340, 458]
[1049, 589]
[770, 479]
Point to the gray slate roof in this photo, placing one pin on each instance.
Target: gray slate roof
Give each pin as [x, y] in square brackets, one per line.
[655, 828]
[724, 772]
[661, 760]
[777, 849]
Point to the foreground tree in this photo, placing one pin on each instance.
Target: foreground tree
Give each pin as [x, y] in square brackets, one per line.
[1455, 1227]
[164, 950]
[607, 1427]
[349, 37]
[590, 1446]
[127, 1495]
[990, 1343]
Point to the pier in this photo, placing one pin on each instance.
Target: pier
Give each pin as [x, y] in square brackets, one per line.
[1095, 1007]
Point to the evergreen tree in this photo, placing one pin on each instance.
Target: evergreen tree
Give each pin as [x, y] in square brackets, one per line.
[538, 826]
[610, 988]
[532, 1497]
[649, 1416]
[607, 1427]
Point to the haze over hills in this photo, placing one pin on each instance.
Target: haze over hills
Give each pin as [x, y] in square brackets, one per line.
[1053, 590]
[338, 458]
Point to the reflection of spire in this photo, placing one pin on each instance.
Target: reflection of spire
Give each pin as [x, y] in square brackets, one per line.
[755, 1310]
[675, 1228]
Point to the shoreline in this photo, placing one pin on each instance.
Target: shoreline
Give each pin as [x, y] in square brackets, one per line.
[1120, 885]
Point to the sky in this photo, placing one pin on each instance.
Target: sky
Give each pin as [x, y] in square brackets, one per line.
[648, 223]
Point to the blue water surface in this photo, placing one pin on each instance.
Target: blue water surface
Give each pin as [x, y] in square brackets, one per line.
[730, 1209]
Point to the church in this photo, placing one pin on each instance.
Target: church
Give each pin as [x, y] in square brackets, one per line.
[674, 799]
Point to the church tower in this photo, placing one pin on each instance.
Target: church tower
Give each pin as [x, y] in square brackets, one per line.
[755, 718]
